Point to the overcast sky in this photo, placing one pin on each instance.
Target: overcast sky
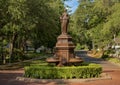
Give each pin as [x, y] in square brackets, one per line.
[73, 4]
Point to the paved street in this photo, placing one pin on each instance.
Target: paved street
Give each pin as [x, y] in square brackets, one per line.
[8, 77]
[106, 65]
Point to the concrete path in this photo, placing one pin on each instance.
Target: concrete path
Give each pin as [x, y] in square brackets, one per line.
[8, 77]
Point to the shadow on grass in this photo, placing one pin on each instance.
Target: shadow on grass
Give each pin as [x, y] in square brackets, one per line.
[37, 58]
[22, 64]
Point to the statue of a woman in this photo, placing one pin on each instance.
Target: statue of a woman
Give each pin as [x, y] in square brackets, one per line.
[64, 22]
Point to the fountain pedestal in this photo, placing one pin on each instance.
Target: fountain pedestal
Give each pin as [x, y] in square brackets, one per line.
[64, 51]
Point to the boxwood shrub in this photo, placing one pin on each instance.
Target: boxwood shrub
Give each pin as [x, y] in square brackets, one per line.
[46, 72]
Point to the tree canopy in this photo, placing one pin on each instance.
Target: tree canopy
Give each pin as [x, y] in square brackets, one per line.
[36, 21]
[96, 22]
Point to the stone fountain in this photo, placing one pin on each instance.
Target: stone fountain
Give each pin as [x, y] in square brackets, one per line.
[64, 49]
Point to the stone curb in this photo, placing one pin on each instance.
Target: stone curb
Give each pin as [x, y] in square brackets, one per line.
[104, 76]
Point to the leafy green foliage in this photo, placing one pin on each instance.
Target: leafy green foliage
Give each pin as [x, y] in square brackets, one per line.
[45, 72]
[95, 23]
[27, 20]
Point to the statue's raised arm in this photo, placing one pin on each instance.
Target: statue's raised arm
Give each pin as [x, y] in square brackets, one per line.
[64, 19]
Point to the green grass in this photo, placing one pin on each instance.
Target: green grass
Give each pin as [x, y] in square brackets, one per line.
[113, 60]
[36, 59]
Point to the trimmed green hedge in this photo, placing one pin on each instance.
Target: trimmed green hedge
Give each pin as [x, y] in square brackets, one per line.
[46, 72]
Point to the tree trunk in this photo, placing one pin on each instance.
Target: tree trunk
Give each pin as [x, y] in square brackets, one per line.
[2, 52]
[23, 45]
[11, 47]
[93, 46]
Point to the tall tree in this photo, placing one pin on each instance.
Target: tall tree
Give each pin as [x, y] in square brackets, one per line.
[92, 20]
[80, 22]
[36, 21]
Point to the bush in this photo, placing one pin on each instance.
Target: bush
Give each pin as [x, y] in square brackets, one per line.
[47, 72]
[106, 53]
[104, 56]
[78, 47]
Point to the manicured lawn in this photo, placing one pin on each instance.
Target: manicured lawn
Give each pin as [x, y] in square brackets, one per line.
[36, 59]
